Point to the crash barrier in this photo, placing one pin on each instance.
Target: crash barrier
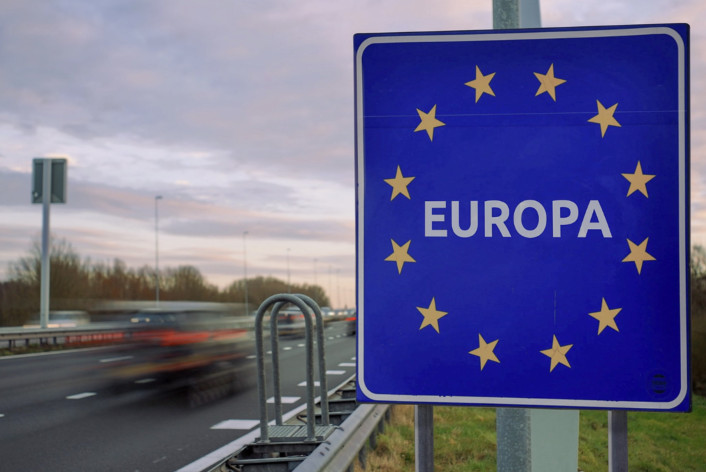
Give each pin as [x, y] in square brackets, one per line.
[329, 436]
[282, 446]
[11, 338]
[111, 332]
[350, 442]
[355, 433]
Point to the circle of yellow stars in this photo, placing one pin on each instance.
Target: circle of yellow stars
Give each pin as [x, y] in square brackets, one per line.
[605, 118]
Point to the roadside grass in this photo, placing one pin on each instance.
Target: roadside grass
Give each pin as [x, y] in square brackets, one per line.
[464, 440]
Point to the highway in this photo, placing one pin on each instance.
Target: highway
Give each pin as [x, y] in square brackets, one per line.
[58, 412]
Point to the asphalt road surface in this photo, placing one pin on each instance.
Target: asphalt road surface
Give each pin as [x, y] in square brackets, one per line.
[58, 412]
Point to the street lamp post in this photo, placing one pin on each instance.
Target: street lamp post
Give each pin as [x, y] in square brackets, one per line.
[156, 250]
[245, 272]
[330, 285]
[289, 284]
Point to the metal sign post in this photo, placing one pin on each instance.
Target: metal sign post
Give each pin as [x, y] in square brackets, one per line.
[45, 280]
[49, 186]
[617, 441]
[522, 441]
[424, 438]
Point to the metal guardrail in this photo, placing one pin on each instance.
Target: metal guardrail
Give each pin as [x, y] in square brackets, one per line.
[349, 442]
[96, 332]
[330, 435]
[357, 427]
[282, 446]
[12, 337]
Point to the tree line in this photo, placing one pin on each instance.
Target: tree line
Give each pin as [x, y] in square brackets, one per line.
[78, 284]
[698, 319]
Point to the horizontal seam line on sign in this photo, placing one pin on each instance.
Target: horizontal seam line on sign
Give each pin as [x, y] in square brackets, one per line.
[617, 112]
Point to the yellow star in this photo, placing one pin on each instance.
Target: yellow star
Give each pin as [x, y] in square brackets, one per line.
[638, 180]
[557, 354]
[482, 84]
[638, 254]
[399, 254]
[485, 351]
[431, 315]
[548, 83]
[606, 317]
[605, 117]
[429, 122]
[399, 184]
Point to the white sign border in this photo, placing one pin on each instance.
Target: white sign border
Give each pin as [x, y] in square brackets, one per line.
[683, 228]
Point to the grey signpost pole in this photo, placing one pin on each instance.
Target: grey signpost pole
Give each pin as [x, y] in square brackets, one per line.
[532, 440]
[618, 441]
[46, 205]
[48, 186]
[156, 250]
[512, 424]
[424, 438]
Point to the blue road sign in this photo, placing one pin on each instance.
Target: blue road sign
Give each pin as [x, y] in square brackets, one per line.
[522, 217]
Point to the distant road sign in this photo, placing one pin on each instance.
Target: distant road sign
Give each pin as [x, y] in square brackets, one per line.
[522, 218]
[58, 180]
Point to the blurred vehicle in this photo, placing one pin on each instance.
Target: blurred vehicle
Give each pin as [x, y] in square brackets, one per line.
[291, 322]
[63, 319]
[340, 314]
[351, 322]
[198, 349]
[327, 314]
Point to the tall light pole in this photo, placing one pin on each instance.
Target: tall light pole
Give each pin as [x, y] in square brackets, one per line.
[330, 285]
[289, 285]
[245, 272]
[156, 250]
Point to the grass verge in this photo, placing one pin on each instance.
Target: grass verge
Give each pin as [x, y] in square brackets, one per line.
[464, 440]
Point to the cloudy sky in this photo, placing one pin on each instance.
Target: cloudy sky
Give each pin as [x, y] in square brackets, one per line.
[239, 113]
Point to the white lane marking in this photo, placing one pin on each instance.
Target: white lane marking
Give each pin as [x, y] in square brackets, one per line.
[285, 400]
[331, 337]
[115, 359]
[144, 381]
[353, 358]
[251, 357]
[2, 415]
[335, 372]
[301, 345]
[236, 424]
[346, 364]
[303, 384]
[80, 396]
[288, 348]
